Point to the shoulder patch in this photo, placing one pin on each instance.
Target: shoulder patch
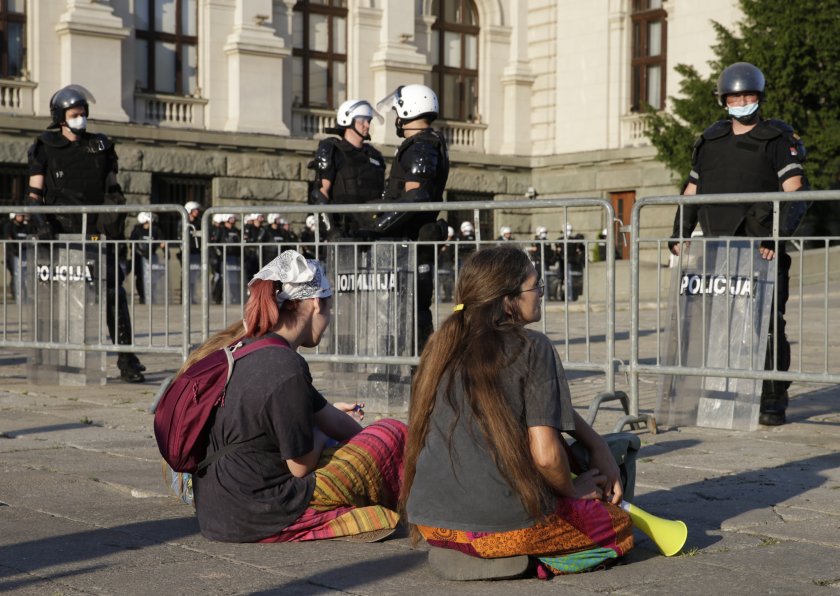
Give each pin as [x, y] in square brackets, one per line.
[717, 130]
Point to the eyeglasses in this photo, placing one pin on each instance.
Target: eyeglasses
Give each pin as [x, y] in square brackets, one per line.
[741, 98]
[540, 288]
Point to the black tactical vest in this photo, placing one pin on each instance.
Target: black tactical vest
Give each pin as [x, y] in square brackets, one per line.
[732, 163]
[76, 174]
[361, 177]
[430, 144]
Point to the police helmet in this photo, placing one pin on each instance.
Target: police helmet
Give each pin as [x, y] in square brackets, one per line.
[411, 102]
[273, 217]
[740, 77]
[249, 217]
[190, 206]
[467, 227]
[68, 97]
[145, 217]
[541, 231]
[450, 232]
[505, 230]
[310, 222]
[355, 108]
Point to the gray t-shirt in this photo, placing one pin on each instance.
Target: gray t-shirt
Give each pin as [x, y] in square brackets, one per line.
[463, 489]
[249, 493]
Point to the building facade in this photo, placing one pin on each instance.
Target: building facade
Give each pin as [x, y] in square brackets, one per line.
[223, 101]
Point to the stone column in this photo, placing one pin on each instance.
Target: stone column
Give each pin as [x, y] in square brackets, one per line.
[396, 60]
[517, 80]
[90, 38]
[255, 66]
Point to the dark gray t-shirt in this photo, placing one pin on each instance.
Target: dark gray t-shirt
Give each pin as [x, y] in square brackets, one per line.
[463, 489]
[249, 493]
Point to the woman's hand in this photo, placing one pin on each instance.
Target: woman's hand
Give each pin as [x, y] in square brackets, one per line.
[354, 410]
[590, 484]
[602, 460]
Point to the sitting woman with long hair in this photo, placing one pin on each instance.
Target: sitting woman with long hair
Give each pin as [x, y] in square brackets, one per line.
[487, 472]
[281, 480]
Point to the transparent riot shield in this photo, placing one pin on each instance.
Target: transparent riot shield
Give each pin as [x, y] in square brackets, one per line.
[373, 315]
[64, 308]
[719, 317]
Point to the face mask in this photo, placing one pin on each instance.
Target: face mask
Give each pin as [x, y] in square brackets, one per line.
[743, 112]
[77, 125]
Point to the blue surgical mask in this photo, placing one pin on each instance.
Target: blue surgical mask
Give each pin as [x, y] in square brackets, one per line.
[743, 111]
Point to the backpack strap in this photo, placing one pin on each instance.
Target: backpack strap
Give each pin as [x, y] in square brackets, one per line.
[234, 353]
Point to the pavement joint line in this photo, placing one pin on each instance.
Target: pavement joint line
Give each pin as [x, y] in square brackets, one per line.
[105, 452]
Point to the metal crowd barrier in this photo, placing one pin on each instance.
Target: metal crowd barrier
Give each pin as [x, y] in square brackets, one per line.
[716, 354]
[372, 341]
[60, 300]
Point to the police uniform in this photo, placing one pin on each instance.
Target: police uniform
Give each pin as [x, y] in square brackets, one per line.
[422, 158]
[76, 173]
[757, 161]
[356, 175]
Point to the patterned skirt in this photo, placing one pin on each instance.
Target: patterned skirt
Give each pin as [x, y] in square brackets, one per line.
[579, 535]
[357, 486]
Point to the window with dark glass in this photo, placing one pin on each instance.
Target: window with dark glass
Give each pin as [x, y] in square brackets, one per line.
[454, 49]
[166, 49]
[14, 180]
[319, 53]
[178, 189]
[649, 33]
[12, 37]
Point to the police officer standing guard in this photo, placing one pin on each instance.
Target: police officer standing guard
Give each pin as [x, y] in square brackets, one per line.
[418, 175]
[348, 169]
[746, 153]
[70, 166]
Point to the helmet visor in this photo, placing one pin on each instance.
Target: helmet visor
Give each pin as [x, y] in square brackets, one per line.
[71, 93]
[391, 102]
[363, 109]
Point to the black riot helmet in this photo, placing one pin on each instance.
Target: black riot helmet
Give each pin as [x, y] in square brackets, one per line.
[740, 77]
[68, 97]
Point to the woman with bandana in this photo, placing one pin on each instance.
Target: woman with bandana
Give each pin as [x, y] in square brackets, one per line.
[303, 469]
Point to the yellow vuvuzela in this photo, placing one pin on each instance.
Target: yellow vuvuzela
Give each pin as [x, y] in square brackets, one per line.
[668, 535]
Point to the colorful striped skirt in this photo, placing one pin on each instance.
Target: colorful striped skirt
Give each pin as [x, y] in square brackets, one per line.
[357, 486]
[579, 535]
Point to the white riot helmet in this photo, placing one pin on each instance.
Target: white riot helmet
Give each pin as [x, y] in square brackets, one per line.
[505, 230]
[191, 206]
[355, 108]
[542, 232]
[467, 227]
[450, 232]
[310, 222]
[411, 102]
[273, 217]
[145, 217]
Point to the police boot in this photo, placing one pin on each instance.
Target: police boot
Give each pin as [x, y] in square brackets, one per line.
[131, 371]
[774, 401]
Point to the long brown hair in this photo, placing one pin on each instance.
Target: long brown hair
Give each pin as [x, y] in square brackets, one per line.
[469, 344]
[261, 315]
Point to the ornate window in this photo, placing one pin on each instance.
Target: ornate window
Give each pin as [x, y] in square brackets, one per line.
[12, 38]
[319, 53]
[454, 48]
[167, 46]
[649, 55]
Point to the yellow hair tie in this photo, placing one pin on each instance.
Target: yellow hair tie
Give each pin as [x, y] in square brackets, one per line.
[458, 307]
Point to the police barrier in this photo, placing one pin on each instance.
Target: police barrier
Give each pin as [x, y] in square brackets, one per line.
[709, 364]
[374, 339]
[69, 302]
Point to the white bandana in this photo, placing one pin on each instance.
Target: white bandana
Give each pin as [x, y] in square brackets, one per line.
[301, 278]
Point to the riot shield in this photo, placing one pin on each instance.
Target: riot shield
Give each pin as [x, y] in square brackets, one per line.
[719, 317]
[373, 315]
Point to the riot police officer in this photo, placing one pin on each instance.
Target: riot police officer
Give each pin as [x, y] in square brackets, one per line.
[193, 261]
[348, 169]
[70, 166]
[418, 175]
[746, 153]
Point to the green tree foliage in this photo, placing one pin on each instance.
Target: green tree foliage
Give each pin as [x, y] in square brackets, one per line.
[795, 44]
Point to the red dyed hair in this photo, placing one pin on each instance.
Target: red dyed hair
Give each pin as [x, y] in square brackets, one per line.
[261, 311]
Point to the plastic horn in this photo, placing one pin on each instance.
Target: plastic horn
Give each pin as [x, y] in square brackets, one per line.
[669, 535]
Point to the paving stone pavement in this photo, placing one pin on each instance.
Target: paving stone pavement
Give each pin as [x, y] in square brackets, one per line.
[83, 509]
